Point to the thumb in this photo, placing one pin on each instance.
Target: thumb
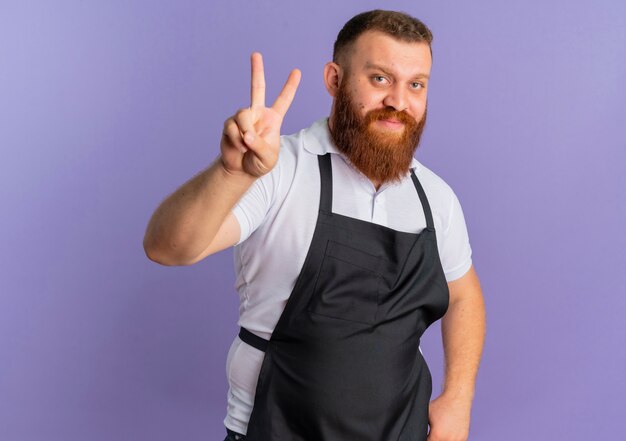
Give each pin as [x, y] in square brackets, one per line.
[253, 141]
[260, 157]
[259, 146]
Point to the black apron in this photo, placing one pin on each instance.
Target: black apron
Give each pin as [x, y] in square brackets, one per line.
[343, 363]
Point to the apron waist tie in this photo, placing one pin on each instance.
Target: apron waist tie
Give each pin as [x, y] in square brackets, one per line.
[253, 340]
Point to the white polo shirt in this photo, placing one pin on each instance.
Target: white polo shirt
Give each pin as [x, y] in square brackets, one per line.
[277, 217]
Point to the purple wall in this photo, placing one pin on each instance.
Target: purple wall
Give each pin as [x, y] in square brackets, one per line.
[107, 107]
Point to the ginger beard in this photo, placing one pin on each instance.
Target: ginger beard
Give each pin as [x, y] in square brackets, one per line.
[381, 155]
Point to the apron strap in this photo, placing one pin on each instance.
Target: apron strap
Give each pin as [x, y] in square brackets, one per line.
[253, 340]
[326, 179]
[430, 225]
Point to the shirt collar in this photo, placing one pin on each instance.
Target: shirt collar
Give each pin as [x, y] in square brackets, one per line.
[317, 140]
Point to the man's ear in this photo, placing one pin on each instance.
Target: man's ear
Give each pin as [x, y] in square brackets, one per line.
[332, 77]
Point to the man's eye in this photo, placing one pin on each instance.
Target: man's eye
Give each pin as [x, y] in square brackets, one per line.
[378, 79]
[417, 85]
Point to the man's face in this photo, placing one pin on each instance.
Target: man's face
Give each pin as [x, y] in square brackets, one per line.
[385, 72]
[380, 106]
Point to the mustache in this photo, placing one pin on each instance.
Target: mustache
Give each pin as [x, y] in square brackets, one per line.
[390, 113]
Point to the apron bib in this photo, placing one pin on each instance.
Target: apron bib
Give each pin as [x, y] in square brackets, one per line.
[343, 363]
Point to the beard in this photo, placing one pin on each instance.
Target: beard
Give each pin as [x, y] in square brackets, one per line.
[381, 155]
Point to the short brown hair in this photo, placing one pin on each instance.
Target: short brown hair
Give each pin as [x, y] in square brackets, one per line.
[396, 24]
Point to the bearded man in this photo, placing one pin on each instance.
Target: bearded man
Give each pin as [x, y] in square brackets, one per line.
[346, 249]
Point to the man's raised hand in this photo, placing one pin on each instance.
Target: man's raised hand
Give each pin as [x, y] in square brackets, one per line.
[251, 137]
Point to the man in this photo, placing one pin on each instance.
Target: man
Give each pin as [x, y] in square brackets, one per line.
[347, 249]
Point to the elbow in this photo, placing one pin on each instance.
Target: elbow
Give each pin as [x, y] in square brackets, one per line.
[152, 253]
[156, 258]
[157, 255]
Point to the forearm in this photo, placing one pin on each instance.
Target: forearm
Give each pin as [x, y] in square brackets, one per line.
[187, 221]
[463, 331]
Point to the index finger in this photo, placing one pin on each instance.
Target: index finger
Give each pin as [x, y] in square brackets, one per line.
[284, 99]
[257, 84]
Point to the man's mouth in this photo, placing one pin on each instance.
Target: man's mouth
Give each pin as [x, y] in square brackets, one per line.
[391, 123]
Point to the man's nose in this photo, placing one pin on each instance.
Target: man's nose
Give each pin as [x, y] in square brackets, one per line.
[397, 98]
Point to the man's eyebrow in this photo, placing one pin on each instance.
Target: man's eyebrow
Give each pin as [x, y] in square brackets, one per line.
[387, 71]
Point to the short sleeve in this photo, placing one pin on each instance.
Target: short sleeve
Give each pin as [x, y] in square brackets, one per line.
[252, 208]
[455, 252]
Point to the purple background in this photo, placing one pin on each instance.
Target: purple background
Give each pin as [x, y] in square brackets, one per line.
[107, 107]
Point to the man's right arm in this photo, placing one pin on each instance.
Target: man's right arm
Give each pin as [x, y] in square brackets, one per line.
[196, 220]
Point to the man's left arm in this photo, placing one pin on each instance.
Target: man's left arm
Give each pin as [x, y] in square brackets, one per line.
[463, 332]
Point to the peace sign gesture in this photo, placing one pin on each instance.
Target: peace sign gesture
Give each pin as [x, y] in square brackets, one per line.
[251, 137]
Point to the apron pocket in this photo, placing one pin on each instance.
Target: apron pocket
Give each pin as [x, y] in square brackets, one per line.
[348, 285]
